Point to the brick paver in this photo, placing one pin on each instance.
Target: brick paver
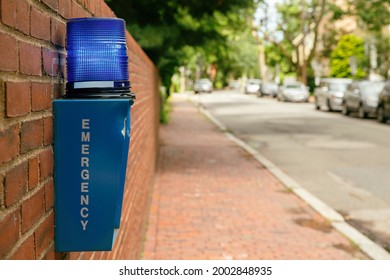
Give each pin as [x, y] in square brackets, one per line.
[211, 200]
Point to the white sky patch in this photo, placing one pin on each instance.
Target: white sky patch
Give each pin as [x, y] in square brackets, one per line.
[269, 18]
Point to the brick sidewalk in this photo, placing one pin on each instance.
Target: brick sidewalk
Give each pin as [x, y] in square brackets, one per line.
[211, 200]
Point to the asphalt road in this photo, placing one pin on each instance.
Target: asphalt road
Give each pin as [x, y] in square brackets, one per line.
[344, 161]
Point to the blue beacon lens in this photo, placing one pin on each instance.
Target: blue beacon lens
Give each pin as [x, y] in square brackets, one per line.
[97, 55]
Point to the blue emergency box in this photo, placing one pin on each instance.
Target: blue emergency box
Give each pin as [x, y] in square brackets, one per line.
[92, 136]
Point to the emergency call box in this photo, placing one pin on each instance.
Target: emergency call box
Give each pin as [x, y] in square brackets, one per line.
[91, 143]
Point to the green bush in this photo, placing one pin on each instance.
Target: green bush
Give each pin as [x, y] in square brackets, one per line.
[165, 107]
[348, 48]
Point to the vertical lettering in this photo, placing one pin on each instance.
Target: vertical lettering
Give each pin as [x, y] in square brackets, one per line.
[84, 212]
[85, 174]
[84, 224]
[85, 136]
[84, 199]
[85, 149]
[84, 162]
[85, 123]
[84, 186]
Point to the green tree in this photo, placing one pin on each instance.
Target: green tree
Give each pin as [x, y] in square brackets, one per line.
[233, 56]
[349, 50]
[374, 13]
[374, 18]
[383, 47]
[289, 30]
[166, 30]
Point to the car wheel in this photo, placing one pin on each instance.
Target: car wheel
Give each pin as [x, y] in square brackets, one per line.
[330, 109]
[345, 110]
[317, 106]
[361, 112]
[380, 115]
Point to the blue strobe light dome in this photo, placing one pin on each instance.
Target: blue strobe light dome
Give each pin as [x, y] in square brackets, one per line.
[97, 58]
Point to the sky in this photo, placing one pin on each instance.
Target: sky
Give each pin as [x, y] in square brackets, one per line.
[271, 14]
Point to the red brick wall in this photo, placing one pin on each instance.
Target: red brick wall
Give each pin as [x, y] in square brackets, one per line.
[32, 42]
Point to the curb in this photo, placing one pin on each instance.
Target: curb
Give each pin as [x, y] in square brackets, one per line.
[366, 245]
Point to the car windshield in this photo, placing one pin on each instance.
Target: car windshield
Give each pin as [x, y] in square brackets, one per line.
[338, 86]
[371, 88]
[270, 85]
[254, 82]
[297, 86]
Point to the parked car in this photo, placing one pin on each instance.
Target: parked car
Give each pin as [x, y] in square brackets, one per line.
[203, 85]
[383, 108]
[330, 93]
[234, 84]
[362, 97]
[252, 86]
[268, 88]
[293, 91]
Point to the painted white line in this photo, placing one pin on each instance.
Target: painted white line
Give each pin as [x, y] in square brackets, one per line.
[372, 249]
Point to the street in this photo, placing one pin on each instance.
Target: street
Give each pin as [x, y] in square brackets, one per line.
[343, 161]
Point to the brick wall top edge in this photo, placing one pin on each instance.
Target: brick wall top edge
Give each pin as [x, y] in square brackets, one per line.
[136, 48]
[106, 11]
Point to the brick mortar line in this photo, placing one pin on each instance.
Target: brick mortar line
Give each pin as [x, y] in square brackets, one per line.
[21, 37]
[147, 226]
[18, 76]
[45, 7]
[24, 236]
[6, 166]
[366, 245]
[2, 102]
[33, 116]
[6, 211]
[44, 252]
[137, 63]
[12, 76]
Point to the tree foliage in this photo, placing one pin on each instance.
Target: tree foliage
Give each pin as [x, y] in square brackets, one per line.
[374, 13]
[167, 30]
[374, 18]
[231, 57]
[285, 31]
[383, 48]
[350, 49]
